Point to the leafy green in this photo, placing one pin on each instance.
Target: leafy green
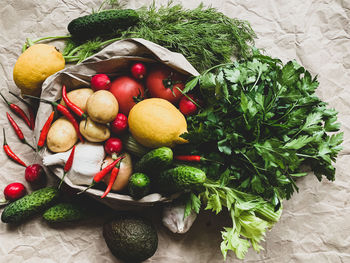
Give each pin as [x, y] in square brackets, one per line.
[264, 121]
[251, 217]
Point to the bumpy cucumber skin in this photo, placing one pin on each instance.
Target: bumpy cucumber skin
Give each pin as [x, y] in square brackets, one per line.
[64, 212]
[155, 160]
[102, 23]
[29, 205]
[180, 178]
[139, 185]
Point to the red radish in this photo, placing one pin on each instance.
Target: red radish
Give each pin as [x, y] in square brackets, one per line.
[113, 146]
[138, 70]
[187, 107]
[120, 124]
[34, 173]
[100, 82]
[14, 191]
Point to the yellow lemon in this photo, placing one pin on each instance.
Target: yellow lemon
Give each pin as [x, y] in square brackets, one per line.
[34, 65]
[156, 122]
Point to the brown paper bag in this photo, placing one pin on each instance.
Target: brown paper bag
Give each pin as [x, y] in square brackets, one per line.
[113, 60]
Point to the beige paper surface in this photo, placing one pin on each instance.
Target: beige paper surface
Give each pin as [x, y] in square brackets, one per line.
[315, 226]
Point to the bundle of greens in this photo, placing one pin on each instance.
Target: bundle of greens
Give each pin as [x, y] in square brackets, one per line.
[203, 35]
[265, 121]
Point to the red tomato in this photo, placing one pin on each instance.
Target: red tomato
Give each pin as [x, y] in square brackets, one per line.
[126, 90]
[162, 82]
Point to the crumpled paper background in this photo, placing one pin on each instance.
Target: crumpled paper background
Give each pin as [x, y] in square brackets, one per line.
[315, 226]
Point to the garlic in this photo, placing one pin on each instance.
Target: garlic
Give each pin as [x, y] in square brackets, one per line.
[88, 158]
[173, 218]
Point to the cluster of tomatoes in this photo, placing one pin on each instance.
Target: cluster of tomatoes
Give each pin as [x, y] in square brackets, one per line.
[156, 81]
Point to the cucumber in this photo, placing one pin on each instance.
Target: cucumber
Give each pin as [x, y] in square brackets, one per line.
[155, 160]
[180, 178]
[102, 23]
[65, 212]
[139, 185]
[29, 205]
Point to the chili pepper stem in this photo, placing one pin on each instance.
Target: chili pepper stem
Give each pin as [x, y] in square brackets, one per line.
[62, 179]
[87, 188]
[8, 103]
[31, 146]
[210, 160]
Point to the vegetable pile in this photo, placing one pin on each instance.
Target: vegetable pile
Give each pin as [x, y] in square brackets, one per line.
[236, 137]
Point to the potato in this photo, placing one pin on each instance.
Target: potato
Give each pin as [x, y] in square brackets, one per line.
[123, 175]
[61, 136]
[93, 131]
[102, 106]
[79, 97]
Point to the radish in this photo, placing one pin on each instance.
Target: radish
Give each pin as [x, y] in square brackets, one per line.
[113, 146]
[187, 107]
[138, 70]
[120, 124]
[14, 191]
[34, 173]
[100, 82]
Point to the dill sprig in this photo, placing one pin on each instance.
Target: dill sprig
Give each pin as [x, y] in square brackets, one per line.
[205, 36]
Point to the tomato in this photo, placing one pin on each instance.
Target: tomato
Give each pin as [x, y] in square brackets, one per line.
[163, 82]
[126, 90]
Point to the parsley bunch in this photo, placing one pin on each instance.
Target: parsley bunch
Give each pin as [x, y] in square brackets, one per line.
[265, 122]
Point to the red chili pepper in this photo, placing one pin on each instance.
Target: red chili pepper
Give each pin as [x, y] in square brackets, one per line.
[63, 109]
[101, 174]
[71, 105]
[45, 130]
[18, 130]
[17, 110]
[30, 110]
[112, 179]
[67, 166]
[193, 158]
[10, 153]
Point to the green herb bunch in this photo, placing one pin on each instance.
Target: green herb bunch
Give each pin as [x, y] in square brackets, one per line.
[265, 122]
[203, 35]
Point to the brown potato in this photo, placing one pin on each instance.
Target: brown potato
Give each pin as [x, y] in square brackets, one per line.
[93, 131]
[102, 106]
[123, 175]
[79, 97]
[61, 136]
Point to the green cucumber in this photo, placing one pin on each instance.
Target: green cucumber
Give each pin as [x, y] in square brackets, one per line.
[29, 205]
[65, 212]
[139, 185]
[102, 23]
[155, 160]
[180, 178]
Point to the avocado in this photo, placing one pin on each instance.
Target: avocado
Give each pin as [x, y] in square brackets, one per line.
[130, 238]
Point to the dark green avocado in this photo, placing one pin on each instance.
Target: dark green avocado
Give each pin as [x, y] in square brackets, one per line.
[131, 238]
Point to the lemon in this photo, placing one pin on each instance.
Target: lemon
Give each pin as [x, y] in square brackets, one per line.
[34, 65]
[156, 122]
